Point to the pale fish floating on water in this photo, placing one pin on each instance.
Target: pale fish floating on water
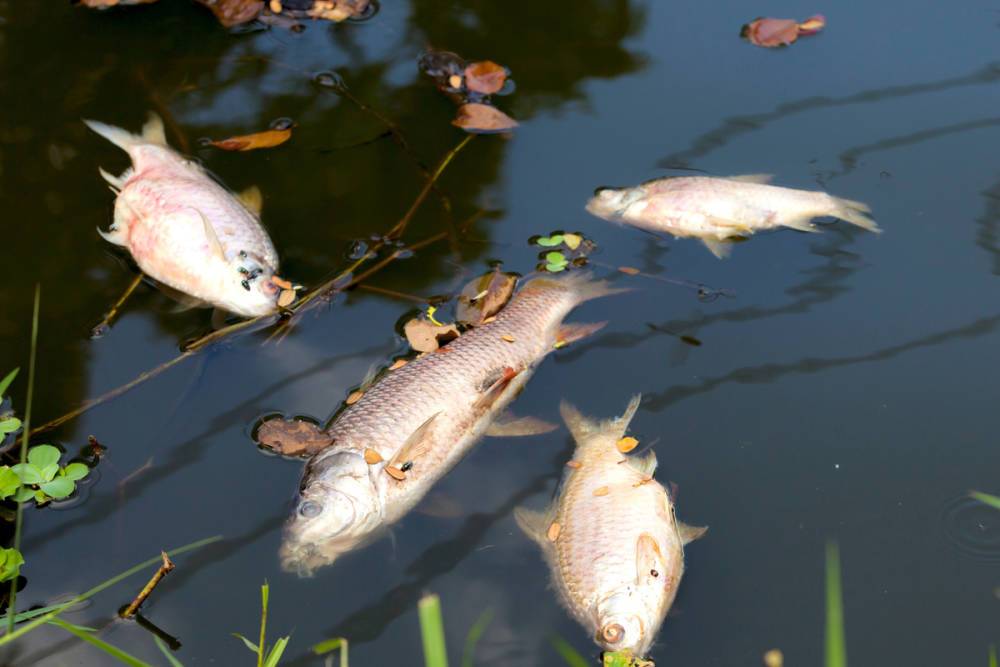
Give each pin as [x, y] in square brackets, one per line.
[415, 423]
[611, 537]
[188, 232]
[719, 210]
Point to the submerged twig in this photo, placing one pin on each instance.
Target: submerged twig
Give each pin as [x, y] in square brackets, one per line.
[173, 643]
[105, 324]
[165, 568]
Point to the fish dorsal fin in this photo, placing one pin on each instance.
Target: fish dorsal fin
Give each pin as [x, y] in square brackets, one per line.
[761, 179]
[645, 465]
[417, 444]
[535, 525]
[720, 249]
[493, 392]
[579, 426]
[649, 561]
[690, 533]
[507, 425]
[153, 131]
[252, 199]
[213, 239]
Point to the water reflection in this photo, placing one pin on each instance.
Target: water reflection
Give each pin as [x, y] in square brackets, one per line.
[988, 232]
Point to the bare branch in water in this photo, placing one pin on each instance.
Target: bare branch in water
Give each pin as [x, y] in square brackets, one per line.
[165, 568]
[105, 324]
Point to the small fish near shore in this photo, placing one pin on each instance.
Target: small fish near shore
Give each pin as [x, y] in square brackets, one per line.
[719, 211]
[188, 232]
[410, 428]
[611, 537]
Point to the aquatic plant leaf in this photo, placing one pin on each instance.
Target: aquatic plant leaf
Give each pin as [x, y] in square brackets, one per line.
[432, 631]
[9, 425]
[555, 268]
[76, 471]
[11, 561]
[484, 297]
[426, 337]
[249, 142]
[24, 494]
[485, 77]
[50, 471]
[549, 241]
[330, 645]
[59, 488]
[472, 639]
[992, 501]
[572, 241]
[993, 656]
[9, 482]
[556, 257]
[28, 473]
[768, 32]
[87, 635]
[836, 647]
[234, 12]
[276, 651]
[6, 381]
[478, 118]
[43, 455]
[249, 644]
[174, 662]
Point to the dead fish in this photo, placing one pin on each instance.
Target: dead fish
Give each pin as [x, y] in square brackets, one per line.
[611, 538]
[720, 210]
[415, 424]
[185, 230]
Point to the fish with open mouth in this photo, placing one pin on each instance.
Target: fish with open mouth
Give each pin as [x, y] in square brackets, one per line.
[719, 211]
[188, 232]
[415, 424]
[611, 537]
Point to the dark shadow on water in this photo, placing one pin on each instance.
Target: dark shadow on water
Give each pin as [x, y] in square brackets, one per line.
[988, 232]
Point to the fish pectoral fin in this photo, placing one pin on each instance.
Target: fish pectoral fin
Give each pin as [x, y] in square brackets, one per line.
[214, 244]
[645, 465]
[153, 131]
[690, 533]
[493, 393]
[507, 425]
[752, 178]
[114, 181]
[252, 199]
[114, 236]
[649, 561]
[535, 525]
[570, 333]
[720, 249]
[416, 445]
[802, 224]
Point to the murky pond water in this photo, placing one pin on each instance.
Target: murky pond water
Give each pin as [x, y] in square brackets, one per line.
[845, 391]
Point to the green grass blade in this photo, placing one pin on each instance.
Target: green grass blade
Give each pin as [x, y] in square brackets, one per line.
[5, 383]
[275, 655]
[333, 645]
[432, 631]
[568, 653]
[836, 648]
[249, 644]
[264, 590]
[471, 639]
[174, 662]
[992, 501]
[40, 620]
[993, 656]
[111, 650]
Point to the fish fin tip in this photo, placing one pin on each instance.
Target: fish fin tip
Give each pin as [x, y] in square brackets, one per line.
[854, 212]
[570, 333]
[533, 523]
[116, 135]
[113, 236]
[415, 445]
[688, 533]
[112, 180]
[210, 235]
[580, 426]
[493, 393]
[252, 199]
[153, 130]
[509, 426]
[649, 561]
[720, 249]
[802, 224]
[760, 179]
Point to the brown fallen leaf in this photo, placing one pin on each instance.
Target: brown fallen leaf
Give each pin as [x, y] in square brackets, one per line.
[483, 119]
[484, 297]
[485, 77]
[329, 10]
[426, 337]
[105, 4]
[249, 142]
[234, 12]
[770, 33]
[292, 437]
[394, 472]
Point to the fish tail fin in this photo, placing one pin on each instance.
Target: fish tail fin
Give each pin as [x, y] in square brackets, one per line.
[581, 284]
[582, 427]
[853, 212]
[152, 133]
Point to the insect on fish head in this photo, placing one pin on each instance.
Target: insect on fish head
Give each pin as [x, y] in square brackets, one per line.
[337, 509]
[620, 627]
[253, 290]
[612, 202]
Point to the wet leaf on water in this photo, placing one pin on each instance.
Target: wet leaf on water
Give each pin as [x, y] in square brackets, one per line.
[328, 10]
[394, 472]
[9, 425]
[424, 336]
[106, 4]
[770, 32]
[76, 471]
[628, 270]
[549, 241]
[43, 456]
[555, 262]
[477, 118]
[9, 482]
[354, 397]
[232, 13]
[626, 444]
[249, 142]
[484, 297]
[28, 473]
[286, 298]
[292, 437]
[572, 241]
[485, 77]
[59, 488]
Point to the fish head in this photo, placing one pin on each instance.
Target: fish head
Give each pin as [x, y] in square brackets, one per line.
[621, 625]
[337, 510]
[252, 291]
[611, 203]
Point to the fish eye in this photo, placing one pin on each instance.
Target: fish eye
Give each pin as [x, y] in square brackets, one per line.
[310, 509]
[613, 633]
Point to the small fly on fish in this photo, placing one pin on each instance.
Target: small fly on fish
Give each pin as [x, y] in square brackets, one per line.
[611, 537]
[416, 423]
[720, 211]
[188, 232]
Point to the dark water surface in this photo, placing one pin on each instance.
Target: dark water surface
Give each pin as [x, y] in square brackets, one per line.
[846, 392]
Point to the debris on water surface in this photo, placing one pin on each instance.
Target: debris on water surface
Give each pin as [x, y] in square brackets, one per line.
[106, 4]
[774, 658]
[471, 86]
[354, 397]
[485, 77]
[507, 337]
[623, 659]
[231, 13]
[484, 297]
[292, 437]
[425, 336]
[770, 32]
[248, 142]
[478, 118]
[555, 261]
[399, 363]
[601, 491]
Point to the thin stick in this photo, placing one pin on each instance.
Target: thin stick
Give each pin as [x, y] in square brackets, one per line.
[400, 227]
[105, 324]
[12, 600]
[165, 568]
[403, 296]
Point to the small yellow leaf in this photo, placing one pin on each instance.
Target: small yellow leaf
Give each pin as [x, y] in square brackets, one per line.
[249, 142]
[396, 365]
[628, 270]
[601, 491]
[286, 297]
[626, 444]
[507, 337]
[553, 533]
[395, 473]
[372, 457]
[354, 397]
[573, 464]
[572, 241]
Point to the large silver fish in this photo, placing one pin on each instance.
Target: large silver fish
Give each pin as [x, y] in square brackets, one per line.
[716, 210]
[414, 424]
[185, 230]
[611, 538]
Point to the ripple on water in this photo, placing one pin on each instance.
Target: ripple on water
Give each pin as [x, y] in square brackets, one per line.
[972, 527]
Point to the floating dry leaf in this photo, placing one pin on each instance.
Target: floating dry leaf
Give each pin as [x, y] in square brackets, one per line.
[293, 437]
[553, 532]
[329, 10]
[626, 444]
[426, 337]
[628, 270]
[372, 457]
[770, 32]
[234, 12]
[478, 118]
[485, 77]
[249, 142]
[484, 297]
[105, 4]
